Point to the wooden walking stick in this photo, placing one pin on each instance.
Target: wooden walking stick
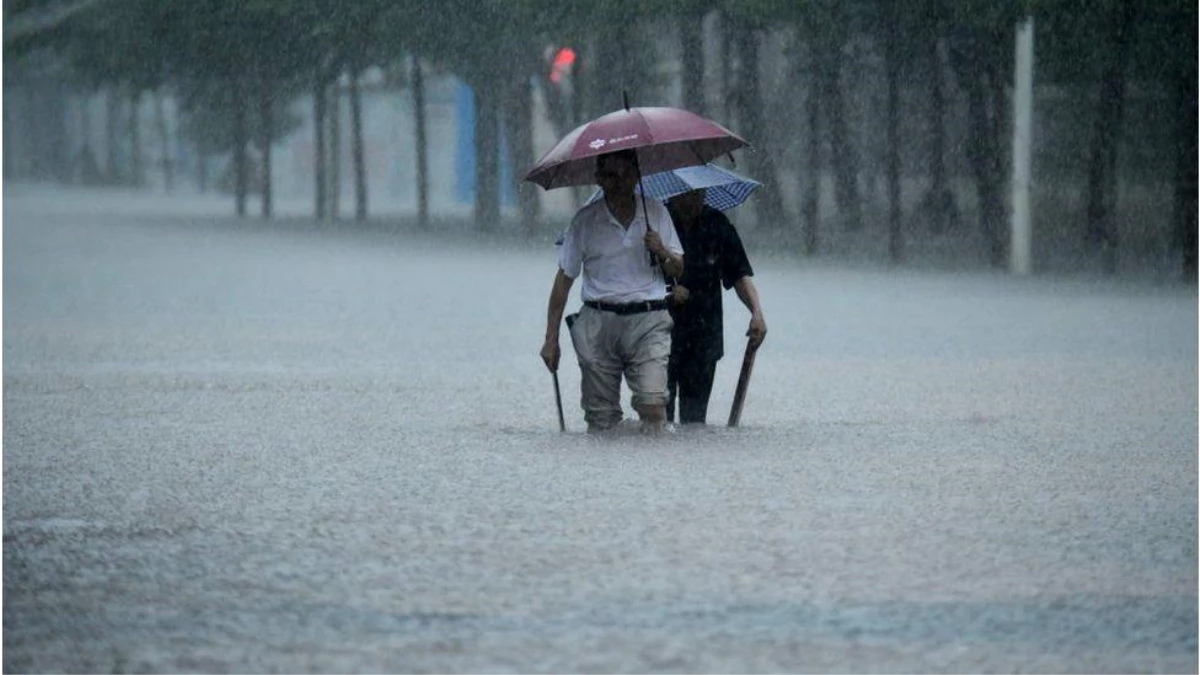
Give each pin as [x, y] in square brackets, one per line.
[562, 426]
[739, 396]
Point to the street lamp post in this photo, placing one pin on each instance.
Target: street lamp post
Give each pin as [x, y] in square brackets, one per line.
[1020, 256]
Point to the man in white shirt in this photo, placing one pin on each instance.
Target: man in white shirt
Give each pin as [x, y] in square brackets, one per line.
[624, 327]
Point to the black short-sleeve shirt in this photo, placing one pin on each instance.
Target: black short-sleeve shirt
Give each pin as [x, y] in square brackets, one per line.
[713, 258]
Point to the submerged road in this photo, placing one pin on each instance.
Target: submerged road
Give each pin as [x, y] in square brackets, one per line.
[238, 448]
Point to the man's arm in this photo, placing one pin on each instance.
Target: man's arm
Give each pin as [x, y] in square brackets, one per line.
[672, 263]
[748, 294]
[665, 246]
[559, 293]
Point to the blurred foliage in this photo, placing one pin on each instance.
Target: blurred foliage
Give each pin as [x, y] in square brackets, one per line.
[1071, 38]
[145, 43]
[214, 54]
[148, 43]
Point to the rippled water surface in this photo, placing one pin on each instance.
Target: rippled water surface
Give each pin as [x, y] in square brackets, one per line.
[236, 447]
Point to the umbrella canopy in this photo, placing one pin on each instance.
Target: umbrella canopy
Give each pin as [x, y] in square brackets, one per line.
[723, 189]
[664, 138]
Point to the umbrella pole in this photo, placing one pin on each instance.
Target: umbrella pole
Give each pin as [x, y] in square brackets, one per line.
[739, 396]
[637, 168]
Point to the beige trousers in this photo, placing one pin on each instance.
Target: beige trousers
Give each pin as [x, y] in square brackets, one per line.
[610, 345]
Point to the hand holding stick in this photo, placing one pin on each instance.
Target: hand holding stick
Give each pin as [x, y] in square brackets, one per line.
[562, 426]
[739, 396]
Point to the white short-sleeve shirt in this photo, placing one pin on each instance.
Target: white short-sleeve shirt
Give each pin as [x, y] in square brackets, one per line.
[613, 261]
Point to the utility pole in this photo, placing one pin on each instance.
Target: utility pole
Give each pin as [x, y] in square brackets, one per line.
[1020, 255]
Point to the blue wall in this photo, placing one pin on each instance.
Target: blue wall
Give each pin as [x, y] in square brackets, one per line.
[464, 165]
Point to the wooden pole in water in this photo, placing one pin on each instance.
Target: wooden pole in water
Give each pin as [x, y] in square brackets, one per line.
[739, 396]
[562, 426]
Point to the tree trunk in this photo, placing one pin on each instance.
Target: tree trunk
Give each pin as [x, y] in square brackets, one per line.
[939, 205]
[321, 187]
[615, 78]
[266, 134]
[9, 130]
[892, 46]
[1106, 137]
[13, 166]
[335, 149]
[812, 196]
[201, 168]
[1186, 159]
[137, 170]
[975, 57]
[625, 66]
[164, 140]
[983, 150]
[356, 148]
[179, 141]
[240, 137]
[728, 89]
[60, 150]
[584, 92]
[691, 33]
[751, 105]
[937, 110]
[487, 154]
[580, 79]
[422, 142]
[518, 129]
[35, 123]
[112, 134]
[89, 169]
[845, 161]
[842, 152]
[48, 130]
[557, 88]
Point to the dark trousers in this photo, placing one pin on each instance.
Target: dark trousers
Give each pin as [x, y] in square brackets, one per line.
[690, 380]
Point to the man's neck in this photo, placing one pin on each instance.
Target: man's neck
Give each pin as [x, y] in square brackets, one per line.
[622, 207]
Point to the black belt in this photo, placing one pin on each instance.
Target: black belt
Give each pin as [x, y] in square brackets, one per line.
[627, 308]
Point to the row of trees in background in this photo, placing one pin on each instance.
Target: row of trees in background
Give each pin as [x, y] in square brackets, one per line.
[236, 66]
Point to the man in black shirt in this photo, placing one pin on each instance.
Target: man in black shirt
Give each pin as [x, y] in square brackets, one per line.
[715, 258]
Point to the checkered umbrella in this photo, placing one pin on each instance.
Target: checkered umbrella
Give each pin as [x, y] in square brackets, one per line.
[723, 189]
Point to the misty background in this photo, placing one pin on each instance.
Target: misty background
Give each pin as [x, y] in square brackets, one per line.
[881, 128]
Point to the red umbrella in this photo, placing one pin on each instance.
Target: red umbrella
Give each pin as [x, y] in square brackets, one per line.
[665, 139]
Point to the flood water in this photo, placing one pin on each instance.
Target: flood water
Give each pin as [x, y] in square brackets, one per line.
[239, 447]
